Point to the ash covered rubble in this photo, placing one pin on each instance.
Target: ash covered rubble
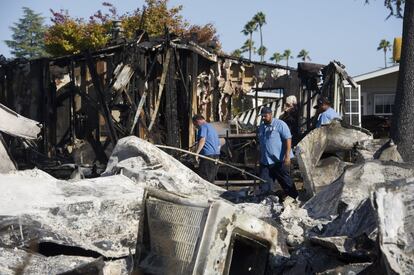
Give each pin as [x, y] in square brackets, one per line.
[57, 226]
[358, 221]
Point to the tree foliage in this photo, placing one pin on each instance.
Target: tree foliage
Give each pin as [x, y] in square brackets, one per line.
[276, 57]
[248, 30]
[304, 55]
[249, 47]
[287, 54]
[69, 35]
[236, 53]
[384, 45]
[260, 20]
[394, 6]
[28, 35]
[262, 52]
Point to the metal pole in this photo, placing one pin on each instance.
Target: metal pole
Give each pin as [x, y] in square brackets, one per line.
[211, 159]
[227, 170]
[255, 157]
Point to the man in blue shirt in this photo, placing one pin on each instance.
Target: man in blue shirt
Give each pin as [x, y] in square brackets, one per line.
[208, 144]
[326, 113]
[275, 153]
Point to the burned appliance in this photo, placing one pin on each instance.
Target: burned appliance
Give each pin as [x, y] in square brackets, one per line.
[192, 235]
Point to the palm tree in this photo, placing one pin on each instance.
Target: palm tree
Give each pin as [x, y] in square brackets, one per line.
[249, 28]
[236, 53]
[304, 55]
[276, 57]
[260, 19]
[248, 46]
[287, 54]
[385, 46]
[262, 52]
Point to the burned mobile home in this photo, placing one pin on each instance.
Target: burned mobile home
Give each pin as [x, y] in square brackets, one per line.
[147, 87]
[151, 87]
[144, 210]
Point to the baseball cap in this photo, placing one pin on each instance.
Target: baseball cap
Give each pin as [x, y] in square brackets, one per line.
[321, 100]
[265, 110]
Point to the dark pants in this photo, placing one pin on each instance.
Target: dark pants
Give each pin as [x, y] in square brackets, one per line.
[208, 169]
[279, 172]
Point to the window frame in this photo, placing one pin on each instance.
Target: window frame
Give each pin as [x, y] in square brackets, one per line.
[375, 104]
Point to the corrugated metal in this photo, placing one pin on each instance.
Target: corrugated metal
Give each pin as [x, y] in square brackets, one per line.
[249, 118]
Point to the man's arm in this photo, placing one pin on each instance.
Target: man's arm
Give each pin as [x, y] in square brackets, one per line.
[287, 153]
[201, 143]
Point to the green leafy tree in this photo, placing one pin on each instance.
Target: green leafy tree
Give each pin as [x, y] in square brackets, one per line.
[276, 57]
[260, 19]
[384, 45]
[248, 30]
[262, 52]
[249, 47]
[304, 55]
[287, 54]
[28, 35]
[157, 16]
[236, 53]
[69, 35]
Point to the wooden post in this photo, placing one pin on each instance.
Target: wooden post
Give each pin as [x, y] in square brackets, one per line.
[193, 96]
[101, 97]
[171, 116]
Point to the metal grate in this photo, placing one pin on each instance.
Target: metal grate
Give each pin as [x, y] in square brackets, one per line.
[174, 234]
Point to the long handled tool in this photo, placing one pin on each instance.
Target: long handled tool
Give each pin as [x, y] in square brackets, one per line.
[211, 159]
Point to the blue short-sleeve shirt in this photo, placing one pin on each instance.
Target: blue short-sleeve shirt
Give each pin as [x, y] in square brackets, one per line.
[212, 145]
[326, 117]
[272, 139]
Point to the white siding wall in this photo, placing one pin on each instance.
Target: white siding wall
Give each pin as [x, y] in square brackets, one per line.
[386, 84]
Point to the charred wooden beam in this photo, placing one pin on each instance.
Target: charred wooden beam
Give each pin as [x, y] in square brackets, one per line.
[193, 95]
[101, 97]
[143, 96]
[171, 116]
[183, 98]
[47, 106]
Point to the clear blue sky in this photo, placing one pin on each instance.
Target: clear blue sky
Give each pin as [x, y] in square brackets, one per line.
[344, 30]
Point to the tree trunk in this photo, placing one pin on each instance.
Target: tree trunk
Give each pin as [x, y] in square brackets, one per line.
[402, 128]
[250, 46]
[385, 58]
[261, 43]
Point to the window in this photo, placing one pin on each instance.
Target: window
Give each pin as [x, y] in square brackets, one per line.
[362, 105]
[384, 104]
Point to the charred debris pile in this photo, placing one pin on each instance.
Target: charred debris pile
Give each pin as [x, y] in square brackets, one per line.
[85, 191]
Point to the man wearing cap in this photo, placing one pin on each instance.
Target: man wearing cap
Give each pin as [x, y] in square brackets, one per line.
[326, 113]
[275, 153]
[208, 144]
